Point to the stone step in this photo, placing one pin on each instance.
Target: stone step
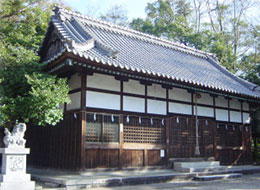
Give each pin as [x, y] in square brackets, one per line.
[217, 177]
[204, 166]
[203, 169]
[191, 159]
[197, 164]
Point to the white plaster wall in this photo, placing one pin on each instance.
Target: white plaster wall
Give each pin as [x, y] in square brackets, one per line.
[180, 108]
[235, 116]
[246, 117]
[75, 101]
[134, 87]
[204, 111]
[235, 104]
[133, 104]
[245, 106]
[156, 91]
[101, 81]
[179, 94]
[103, 100]
[221, 115]
[205, 99]
[156, 107]
[74, 82]
[221, 102]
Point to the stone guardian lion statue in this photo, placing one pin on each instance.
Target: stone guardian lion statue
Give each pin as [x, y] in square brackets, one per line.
[15, 138]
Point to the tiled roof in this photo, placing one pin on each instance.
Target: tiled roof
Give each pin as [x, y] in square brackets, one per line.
[128, 49]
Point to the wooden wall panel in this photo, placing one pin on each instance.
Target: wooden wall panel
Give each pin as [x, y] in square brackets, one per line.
[101, 158]
[55, 146]
[132, 158]
[233, 144]
[182, 133]
[154, 158]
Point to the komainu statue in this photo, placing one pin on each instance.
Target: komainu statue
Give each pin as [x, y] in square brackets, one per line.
[15, 138]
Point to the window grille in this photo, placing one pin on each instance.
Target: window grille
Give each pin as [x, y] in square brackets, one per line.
[102, 128]
[143, 130]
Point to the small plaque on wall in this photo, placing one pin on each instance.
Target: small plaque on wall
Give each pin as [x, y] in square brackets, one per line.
[162, 153]
[121, 128]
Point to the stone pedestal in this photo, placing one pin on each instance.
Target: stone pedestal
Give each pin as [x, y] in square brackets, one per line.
[14, 175]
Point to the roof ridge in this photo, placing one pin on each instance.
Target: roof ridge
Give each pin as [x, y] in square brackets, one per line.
[135, 32]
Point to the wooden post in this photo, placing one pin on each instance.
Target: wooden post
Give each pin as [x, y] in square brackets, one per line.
[145, 159]
[167, 151]
[83, 120]
[121, 141]
[146, 99]
[243, 141]
[214, 139]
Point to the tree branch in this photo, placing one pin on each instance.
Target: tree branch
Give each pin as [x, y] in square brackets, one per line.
[19, 11]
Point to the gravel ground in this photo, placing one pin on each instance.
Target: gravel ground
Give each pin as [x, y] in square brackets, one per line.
[245, 182]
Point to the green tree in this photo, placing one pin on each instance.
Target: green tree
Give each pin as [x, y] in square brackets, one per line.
[116, 15]
[25, 91]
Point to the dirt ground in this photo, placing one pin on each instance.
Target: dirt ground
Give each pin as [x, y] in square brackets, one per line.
[243, 183]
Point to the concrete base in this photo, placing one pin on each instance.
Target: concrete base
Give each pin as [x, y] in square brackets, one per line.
[14, 176]
[93, 178]
[217, 177]
[18, 185]
[203, 166]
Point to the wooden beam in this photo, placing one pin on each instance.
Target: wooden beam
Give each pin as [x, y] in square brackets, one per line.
[167, 137]
[83, 121]
[145, 99]
[145, 162]
[121, 141]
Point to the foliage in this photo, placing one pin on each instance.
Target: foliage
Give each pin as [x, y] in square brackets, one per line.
[23, 25]
[219, 27]
[116, 15]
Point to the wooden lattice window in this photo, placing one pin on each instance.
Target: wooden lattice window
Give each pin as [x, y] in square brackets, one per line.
[228, 135]
[102, 128]
[143, 130]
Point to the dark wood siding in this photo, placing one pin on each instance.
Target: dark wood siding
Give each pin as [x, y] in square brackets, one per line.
[182, 133]
[233, 144]
[56, 146]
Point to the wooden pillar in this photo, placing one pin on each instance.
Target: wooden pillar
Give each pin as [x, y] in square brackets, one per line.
[192, 103]
[121, 141]
[243, 141]
[83, 121]
[167, 101]
[146, 98]
[167, 136]
[145, 159]
[214, 139]
[228, 109]
[241, 109]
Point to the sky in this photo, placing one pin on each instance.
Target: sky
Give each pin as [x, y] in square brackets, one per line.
[93, 8]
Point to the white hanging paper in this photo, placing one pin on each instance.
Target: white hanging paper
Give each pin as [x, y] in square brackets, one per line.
[217, 125]
[187, 121]
[177, 120]
[162, 121]
[95, 117]
[75, 116]
[151, 121]
[162, 153]
[140, 120]
[226, 127]
[112, 118]
[127, 119]
[207, 122]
